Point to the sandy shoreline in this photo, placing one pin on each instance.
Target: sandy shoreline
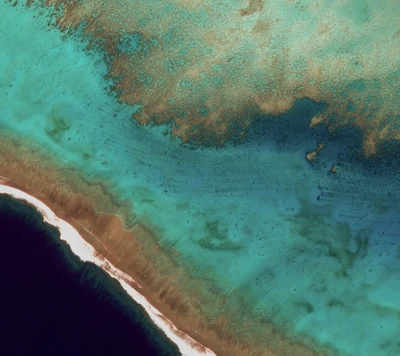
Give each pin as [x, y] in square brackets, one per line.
[82, 217]
[87, 253]
[135, 251]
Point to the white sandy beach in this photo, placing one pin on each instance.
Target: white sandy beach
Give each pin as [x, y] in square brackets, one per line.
[187, 345]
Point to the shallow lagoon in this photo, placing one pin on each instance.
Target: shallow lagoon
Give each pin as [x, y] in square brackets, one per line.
[316, 253]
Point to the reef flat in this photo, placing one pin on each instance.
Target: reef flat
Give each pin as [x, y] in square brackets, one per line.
[252, 249]
[208, 67]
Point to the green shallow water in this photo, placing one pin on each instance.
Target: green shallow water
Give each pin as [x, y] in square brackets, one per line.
[317, 254]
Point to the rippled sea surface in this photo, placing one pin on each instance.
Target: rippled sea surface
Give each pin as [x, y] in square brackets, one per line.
[293, 225]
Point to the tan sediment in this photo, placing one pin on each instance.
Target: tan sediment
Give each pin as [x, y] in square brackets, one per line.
[324, 81]
[317, 120]
[313, 155]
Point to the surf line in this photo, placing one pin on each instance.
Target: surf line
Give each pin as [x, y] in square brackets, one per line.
[186, 345]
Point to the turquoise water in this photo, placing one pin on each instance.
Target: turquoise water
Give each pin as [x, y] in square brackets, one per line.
[206, 63]
[317, 254]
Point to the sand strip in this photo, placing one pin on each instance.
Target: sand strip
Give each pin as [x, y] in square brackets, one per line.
[86, 252]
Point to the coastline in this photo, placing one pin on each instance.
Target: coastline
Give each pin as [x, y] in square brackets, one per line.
[300, 261]
[136, 253]
[87, 253]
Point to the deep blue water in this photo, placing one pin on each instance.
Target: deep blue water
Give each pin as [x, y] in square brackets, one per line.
[52, 303]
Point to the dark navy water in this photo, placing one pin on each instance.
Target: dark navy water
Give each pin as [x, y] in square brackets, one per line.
[52, 303]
